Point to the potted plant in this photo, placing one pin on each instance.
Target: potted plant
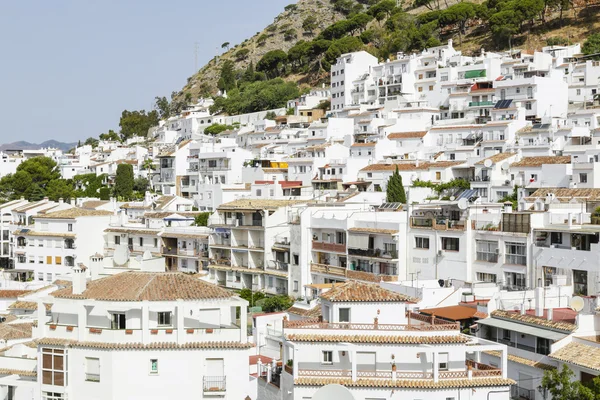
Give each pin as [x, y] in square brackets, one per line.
[596, 216]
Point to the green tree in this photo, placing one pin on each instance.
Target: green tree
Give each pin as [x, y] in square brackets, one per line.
[277, 303]
[227, 80]
[256, 96]
[141, 184]
[382, 10]
[104, 193]
[202, 219]
[124, 182]
[215, 129]
[262, 39]
[91, 142]
[110, 136]
[225, 46]
[59, 189]
[163, 107]
[395, 189]
[592, 45]
[272, 63]
[309, 24]
[459, 14]
[137, 123]
[35, 193]
[560, 385]
[289, 35]
[504, 25]
[430, 4]
[324, 105]
[241, 54]
[148, 165]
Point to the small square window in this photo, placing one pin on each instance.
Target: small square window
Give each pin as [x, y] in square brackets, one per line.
[344, 315]
[164, 318]
[153, 366]
[328, 357]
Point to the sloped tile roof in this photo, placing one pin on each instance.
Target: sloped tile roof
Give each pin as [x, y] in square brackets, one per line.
[310, 313]
[364, 144]
[522, 360]
[454, 313]
[9, 294]
[141, 346]
[566, 193]
[407, 383]
[533, 320]
[579, 354]
[27, 232]
[259, 204]
[540, 160]
[27, 305]
[8, 371]
[75, 212]
[374, 230]
[354, 291]
[151, 286]
[407, 135]
[411, 166]
[15, 331]
[496, 158]
[379, 339]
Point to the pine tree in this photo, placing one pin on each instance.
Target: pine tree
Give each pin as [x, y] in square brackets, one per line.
[401, 192]
[395, 190]
[124, 181]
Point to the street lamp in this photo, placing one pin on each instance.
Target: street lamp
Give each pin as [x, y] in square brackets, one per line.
[543, 391]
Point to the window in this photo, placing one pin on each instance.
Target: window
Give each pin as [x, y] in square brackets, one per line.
[516, 253]
[296, 258]
[443, 363]
[452, 156]
[438, 176]
[555, 238]
[53, 396]
[450, 244]
[117, 321]
[53, 367]
[153, 366]
[422, 242]
[155, 242]
[528, 105]
[70, 227]
[117, 240]
[327, 357]
[580, 279]
[340, 237]
[295, 286]
[506, 334]
[164, 318]
[542, 346]
[583, 177]
[485, 277]
[487, 250]
[92, 369]
[141, 241]
[578, 92]
[344, 315]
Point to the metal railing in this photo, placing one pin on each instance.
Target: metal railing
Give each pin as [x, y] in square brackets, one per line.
[517, 392]
[214, 383]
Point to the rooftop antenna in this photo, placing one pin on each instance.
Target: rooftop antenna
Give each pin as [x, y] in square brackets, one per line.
[196, 51]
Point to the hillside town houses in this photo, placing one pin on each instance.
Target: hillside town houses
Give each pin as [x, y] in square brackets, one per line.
[485, 278]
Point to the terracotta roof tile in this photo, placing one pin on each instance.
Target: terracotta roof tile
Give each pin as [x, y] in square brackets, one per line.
[453, 313]
[10, 331]
[407, 383]
[522, 360]
[141, 346]
[540, 160]
[75, 212]
[407, 135]
[374, 230]
[496, 158]
[93, 204]
[411, 166]
[314, 312]
[364, 144]
[533, 320]
[8, 371]
[140, 231]
[354, 291]
[152, 286]
[566, 193]
[379, 339]
[259, 204]
[27, 232]
[27, 305]
[579, 354]
[9, 294]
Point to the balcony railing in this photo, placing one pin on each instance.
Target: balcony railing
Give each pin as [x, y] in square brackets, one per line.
[517, 392]
[480, 103]
[214, 384]
[336, 247]
[172, 251]
[379, 253]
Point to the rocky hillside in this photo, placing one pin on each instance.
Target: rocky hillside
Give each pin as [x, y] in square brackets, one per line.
[285, 31]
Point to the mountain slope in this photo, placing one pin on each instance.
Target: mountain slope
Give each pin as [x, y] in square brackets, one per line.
[205, 81]
[22, 145]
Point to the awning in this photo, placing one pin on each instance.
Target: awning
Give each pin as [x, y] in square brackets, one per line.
[522, 328]
[476, 73]
[358, 241]
[517, 269]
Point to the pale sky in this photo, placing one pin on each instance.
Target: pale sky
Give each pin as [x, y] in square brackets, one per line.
[68, 68]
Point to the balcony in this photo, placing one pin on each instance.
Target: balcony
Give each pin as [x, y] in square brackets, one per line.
[441, 225]
[481, 103]
[422, 323]
[373, 253]
[350, 274]
[334, 247]
[215, 385]
[170, 251]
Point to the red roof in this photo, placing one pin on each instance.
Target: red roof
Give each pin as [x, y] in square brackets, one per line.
[263, 359]
[558, 314]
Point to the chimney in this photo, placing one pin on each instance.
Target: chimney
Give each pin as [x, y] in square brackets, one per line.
[522, 309]
[539, 302]
[508, 207]
[79, 278]
[550, 314]
[61, 201]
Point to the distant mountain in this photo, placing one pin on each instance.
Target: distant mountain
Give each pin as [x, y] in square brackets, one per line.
[22, 145]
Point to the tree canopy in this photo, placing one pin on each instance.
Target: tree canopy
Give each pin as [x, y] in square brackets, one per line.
[124, 182]
[395, 189]
[137, 123]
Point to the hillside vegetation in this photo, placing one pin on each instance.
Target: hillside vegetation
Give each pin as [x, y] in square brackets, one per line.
[303, 41]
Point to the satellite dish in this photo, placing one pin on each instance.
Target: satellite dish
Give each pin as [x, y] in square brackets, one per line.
[333, 391]
[388, 161]
[505, 166]
[452, 198]
[463, 204]
[576, 303]
[487, 163]
[121, 255]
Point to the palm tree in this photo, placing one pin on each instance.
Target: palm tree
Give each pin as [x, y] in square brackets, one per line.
[148, 164]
